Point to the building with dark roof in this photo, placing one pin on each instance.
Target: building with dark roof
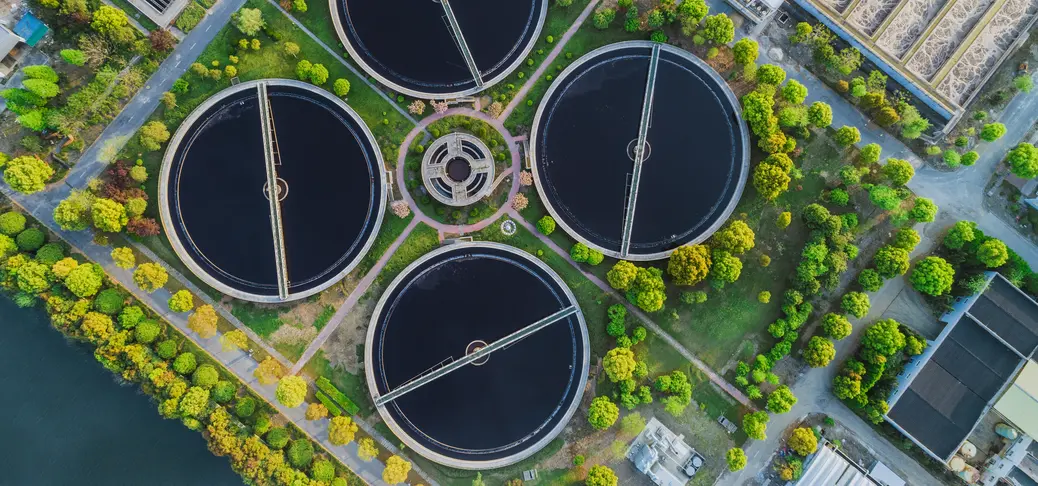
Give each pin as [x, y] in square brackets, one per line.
[943, 394]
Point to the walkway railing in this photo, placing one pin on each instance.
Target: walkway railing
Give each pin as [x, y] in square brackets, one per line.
[272, 159]
[462, 45]
[639, 150]
[474, 356]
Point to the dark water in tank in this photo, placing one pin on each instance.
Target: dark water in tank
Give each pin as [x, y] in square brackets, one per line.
[413, 44]
[66, 421]
[590, 125]
[487, 411]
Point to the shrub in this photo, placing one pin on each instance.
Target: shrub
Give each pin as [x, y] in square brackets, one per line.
[291, 391]
[300, 453]
[856, 304]
[245, 407]
[546, 225]
[166, 349]
[992, 132]
[181, 301]
[836, 326]
[184, 364]
[147, 331]
[12, 223]
[109, 301]
[30, 240]
[803, 441]
[323, 471]
[223, 391]
[277, 438]
[205, 376]
[764, 297]
[870, 280]
[736, 459]
[933, 276]
[603, 413]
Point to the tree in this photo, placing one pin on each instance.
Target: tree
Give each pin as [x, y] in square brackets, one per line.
[745, 51]
[906, 239]
[366, 449]
[884, 338]
[600, 475]
[648, 291]
[205, 376]
[303, 69]
[153, 135]
[1023, 83]
[622, 275]
[318, 74]
[891, 261]
[108, 215]
[181, 301]
[619, 364]
[32, 277]
[759, 109]
[847, 136]
[770, 180]
[291, 391]
[602, 413]
[783, 219]
[12, 223]
[959, 234]
[803, 441]
[736, 458]
[27, 174]
[546, 225]
[794, 92]
[820, 114]
[992, 132]
[30, 240]
[924, 210]
[341, 430]
[689, 264]
[771, 74]
[836, 326]
[203, 321]
[341, 87]
[269, 371]
[1023, 160]
[124, 258]
[249, 21]
[755, 424]
[933, 276]
[719, 29]
[74, 57]
[42, 88]
[820, 351]
[781, 400]
[84, 281]
[725, 269]
[396, 470]
[856, 304]
[185, 363]
[993, 253]
[112, 23]
[579, 252]
[300, 453]
[603, 17]
[736, 237]
[150, 277]
[235, 339]
[690, 14]
[898, 171]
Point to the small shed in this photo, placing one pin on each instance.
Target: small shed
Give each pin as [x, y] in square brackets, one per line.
[11, 51]
[31, 29]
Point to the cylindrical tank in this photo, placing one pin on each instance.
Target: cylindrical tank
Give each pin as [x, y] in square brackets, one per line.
[1006, 431]
[957, 464]
[968, 450]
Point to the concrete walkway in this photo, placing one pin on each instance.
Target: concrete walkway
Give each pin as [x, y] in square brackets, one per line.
[358, 292]
[549, 61]
[360, 75]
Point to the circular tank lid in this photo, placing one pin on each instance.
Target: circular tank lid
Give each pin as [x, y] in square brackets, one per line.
[477, 355]
[631, 203]
[279, 139]
[441, 48]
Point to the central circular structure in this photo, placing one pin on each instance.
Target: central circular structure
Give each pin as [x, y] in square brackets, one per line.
[506, 405]
[458, 169]
[438, 48]
[694, 160]
[215, 190]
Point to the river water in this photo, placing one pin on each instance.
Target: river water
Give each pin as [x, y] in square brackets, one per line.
[66, 420]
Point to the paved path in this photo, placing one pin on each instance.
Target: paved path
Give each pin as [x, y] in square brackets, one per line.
[144, 103]
[689, 355]
[549, 61]
[240, 363]
[362, 76]
[355, 295]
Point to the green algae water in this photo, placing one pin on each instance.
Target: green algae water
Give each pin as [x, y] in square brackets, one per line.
[66, 420]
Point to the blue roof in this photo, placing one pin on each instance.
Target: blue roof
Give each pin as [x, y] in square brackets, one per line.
[31, 29]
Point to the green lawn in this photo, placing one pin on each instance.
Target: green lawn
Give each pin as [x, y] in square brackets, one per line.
[354, 386]
[422, 240]
[583, 41]
[392, 227]
[263, 320]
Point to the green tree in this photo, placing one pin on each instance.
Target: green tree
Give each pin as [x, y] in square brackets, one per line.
[736, 459]
[181, 301]
[603, 413]
[619, 364]
[301, 454]
[74, 57]
[783, 219]
[150, 277]
[600, 475]
[112, 23]
[907, 239]
[291, 391]
[736, 238]
[84, 281]
[933, 276]
[690, 14]
[993, 253]
[12, 223]
[856, 304]
[770, 74]
[42, 88]
[803, 441]
[318, 74]
[891, 261]
[869, 154]
[396, 470]
[782, 399]
[622, 275]
[108, 215]
[884, 338]
[579, 252]
[745, 51]
[820, 351]
[341, 87]
[303, 69]
[689, 264]
[820, 114]
[185, 363]
[341, 430]
[146, 332]
[898, 171]
[153, 135]
[836, 326]
[847, 136]
[884, 197]
[755, 424]
[992, 132]
[725, 268]
[546, 225]
[1023, 83]
[924, 210]
[32, 277]
[205, 376]
[249, 21]
[1023, 161]
[27, 174]
[794, 92]
[603, 17]
[959, 234]
[770, 181]
[719, 29]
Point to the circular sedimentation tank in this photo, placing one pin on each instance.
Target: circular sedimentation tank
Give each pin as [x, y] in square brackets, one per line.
[694, 162]
[214, 190]
[416, 49]
[458, 169]
[503, 406]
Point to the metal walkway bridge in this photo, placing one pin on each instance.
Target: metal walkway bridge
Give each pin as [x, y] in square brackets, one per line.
[459, 37]
[272, 159]
[481, 353]
[639, 151]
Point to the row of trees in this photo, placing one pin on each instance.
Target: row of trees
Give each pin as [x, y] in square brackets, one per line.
[112, 203]
[690, 16]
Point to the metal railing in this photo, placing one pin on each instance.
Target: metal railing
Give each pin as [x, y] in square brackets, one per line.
[639, 151]
[272, 159]
[462, 45]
